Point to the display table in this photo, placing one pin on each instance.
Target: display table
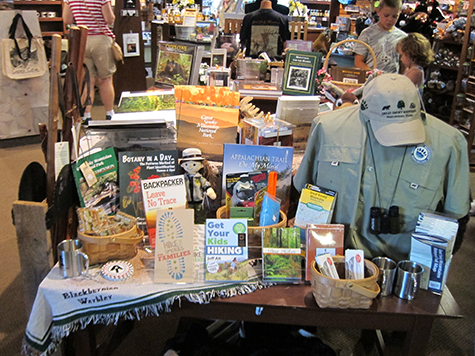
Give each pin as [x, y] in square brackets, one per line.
[64, 305]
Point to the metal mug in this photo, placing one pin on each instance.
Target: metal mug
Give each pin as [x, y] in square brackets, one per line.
[387, 272]
[408, 279]
[72, 262]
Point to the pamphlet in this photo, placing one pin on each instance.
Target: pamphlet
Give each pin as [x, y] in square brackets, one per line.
[226, 250]
[174, 260]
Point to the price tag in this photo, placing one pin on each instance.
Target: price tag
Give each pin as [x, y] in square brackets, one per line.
[88, 174]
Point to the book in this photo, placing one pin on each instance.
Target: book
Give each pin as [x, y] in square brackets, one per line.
[320, 239]
[96, 180]
[315, 206]
[178, 63]
[249, 158]
[281, 255]
[174, 259]
[226, 250]
[300, 70]
[137, 165]
[242, 188]
[161, 193]
[207, 118]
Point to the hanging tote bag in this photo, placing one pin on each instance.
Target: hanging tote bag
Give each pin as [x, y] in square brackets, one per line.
[23, 57]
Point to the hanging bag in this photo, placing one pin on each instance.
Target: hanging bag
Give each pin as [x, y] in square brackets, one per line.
[23, 58]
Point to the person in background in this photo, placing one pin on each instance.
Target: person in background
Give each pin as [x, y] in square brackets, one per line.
[96, 15]
[382, 37]
[416, 53]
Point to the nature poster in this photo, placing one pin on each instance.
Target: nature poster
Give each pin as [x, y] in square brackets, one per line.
[173, 68]
[146, 101]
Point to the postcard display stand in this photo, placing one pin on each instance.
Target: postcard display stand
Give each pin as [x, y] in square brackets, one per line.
[24, 102]
[130, 76]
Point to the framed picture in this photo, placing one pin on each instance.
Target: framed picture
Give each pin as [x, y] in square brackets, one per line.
[131, 44]
[218, 57]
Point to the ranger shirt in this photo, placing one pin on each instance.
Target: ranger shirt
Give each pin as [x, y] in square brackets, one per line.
[338, 157]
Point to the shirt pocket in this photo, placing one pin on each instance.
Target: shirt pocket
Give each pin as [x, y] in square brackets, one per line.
[419, 184]
[338, 166]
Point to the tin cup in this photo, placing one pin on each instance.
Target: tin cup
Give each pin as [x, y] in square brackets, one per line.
[408, 279]
[387, 272]
[72, 262]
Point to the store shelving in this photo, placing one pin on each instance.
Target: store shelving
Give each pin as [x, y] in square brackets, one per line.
[48, 25]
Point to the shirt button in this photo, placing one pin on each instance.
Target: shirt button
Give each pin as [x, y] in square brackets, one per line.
[370, 169]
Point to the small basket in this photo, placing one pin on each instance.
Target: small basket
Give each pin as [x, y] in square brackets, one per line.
[343, 85]
[345, 293]
[254, 233]
[101, 249]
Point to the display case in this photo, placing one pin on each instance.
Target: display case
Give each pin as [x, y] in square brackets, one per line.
[50, 15]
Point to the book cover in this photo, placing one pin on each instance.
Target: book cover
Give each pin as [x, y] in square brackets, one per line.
[249, 158]
[320, 239]
[281, 259]
[137, 165]
[207, 118]
[178, 63]
[96, 180]
[174, 259]
[161, 193]
[315, 206]
[226, 250]
[242, 188]
[300, 70]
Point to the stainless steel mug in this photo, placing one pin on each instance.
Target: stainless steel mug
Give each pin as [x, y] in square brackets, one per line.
[387, 272]
[408, 279]
[72, 262]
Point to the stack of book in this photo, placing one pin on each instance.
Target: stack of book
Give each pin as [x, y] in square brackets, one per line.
[431, 245]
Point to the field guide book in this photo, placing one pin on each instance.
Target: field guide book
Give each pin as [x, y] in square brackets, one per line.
[281, 255]
[300, 71]
[161, 193]
[226, 250]
[96, 180]
[174, 259]
[250, 158]
[315, 206]
[137, 165]
[207, 118]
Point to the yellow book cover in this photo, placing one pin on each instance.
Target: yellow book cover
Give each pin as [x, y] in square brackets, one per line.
[315, 206]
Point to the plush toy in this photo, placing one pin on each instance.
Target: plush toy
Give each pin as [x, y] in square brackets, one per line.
[322, 43]
[455, 30]
[197, 186]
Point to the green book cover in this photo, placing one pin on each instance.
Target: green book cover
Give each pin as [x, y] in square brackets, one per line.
[281, 255]
[300, 71]
[96, 180]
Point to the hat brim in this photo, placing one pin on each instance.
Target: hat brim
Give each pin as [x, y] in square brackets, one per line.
[399, 134]
[191, 159]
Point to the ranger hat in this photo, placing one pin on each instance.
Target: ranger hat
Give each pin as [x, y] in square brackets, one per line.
[391, 104]
[191, 154]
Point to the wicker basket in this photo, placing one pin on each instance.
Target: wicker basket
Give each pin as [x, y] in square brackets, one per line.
[101, 249]
[342, 85]
[254, 233]
[345, 293]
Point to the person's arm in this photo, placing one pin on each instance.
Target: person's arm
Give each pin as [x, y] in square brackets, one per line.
[360, 62]
[108, 13]
[68, 17]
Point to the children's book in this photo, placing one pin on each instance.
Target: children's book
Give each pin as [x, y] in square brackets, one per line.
[300, 71]
[174, 260]
[281, 259]
[137, 165]
[249, 158]
[161, 193]
[315, 206]
[243, 188]
[178, 63]
[207, 118]
[321, 239]
[226, 250]
[96, 180]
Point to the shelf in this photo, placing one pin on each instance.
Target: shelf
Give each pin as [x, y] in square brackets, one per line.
[50, 19]
[50, 2]
[455, 69]
[316, 2]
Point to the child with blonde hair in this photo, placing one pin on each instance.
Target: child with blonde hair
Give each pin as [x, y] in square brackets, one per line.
[416, 53]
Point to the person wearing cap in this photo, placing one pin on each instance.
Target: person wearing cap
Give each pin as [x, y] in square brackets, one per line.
[196, 185]
[387, 153]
